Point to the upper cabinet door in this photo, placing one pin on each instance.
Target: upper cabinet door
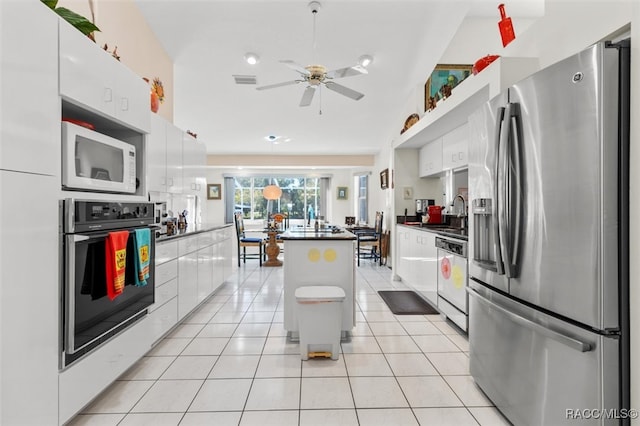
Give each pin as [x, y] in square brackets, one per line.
[194, 157]
[30, 118]
[430, 158]
[174, 159]
[156, 150]
[84, 72]
[455, 146]
[92, 79]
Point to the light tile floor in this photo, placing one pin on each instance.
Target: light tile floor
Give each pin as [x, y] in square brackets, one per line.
[229, 363]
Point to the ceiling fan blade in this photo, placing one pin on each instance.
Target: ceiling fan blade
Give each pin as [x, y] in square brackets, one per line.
[307, 96]
[273, 86]
[350, 93]
[347, 72]
[295, 66]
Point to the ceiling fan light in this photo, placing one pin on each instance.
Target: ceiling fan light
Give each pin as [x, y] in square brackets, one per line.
[365, 60]
[272, 192]
[252, 58]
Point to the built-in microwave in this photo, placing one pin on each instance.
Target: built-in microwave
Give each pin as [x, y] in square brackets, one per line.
[92, 161]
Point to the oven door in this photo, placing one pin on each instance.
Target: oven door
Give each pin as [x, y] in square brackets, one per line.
[90, 317]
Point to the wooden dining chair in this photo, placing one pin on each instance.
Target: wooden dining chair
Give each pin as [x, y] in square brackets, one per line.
[244, 242]
[282, 223]
[369, 241]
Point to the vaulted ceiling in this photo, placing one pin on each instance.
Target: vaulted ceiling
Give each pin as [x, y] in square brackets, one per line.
[207, 40]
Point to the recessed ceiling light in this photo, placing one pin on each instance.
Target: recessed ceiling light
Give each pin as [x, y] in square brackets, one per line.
[276, 139]
[365, 60]
[252, 58]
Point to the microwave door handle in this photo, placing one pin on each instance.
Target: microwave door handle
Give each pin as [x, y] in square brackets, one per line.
[516, 198]
[496, 189]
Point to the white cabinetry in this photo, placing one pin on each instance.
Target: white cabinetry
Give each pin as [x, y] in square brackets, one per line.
[94, 80]
[30, 118]
[206, 264]
[402, 253]
[164, 156]
[187, 275]
[86, 378]
[430, 158]
[194, 158]
[29, 306]
[164, 312]
[417, 260]
[455, 145]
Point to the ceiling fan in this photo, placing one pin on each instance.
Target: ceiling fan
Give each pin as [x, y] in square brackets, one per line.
[317, 75]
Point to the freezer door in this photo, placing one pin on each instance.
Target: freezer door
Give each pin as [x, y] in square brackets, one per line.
[564, 132]
[485, 260]
[534, 367]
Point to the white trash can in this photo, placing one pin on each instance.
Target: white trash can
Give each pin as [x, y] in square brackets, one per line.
[319, 320]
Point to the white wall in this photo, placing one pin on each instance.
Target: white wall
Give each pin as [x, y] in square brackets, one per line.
[121, 24]
[406, 172]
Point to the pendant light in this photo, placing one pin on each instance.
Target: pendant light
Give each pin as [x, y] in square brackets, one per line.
[272, 192]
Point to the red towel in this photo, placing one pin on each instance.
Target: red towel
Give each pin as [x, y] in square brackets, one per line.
[116, 261]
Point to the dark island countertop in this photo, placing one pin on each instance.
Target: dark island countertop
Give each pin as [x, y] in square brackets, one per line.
[309, 233]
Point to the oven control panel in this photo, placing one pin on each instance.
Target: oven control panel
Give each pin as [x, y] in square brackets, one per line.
[86, 215]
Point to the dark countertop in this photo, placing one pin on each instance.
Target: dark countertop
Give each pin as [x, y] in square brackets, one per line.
[322, 234]
[444, 230]
[193, 230]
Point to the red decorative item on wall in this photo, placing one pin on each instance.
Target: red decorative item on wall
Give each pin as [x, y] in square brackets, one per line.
[506, 27]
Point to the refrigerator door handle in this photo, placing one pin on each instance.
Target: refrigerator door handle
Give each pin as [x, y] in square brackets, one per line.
[496, 194]
[502, 175]
[515, 197]
[558, 337]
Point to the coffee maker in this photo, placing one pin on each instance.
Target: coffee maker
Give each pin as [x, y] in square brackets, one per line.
[422, 207]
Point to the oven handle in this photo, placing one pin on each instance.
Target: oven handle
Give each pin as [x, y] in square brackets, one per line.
[69, 287]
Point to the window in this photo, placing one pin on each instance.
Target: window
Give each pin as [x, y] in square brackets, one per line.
[301, 196]
[362, 207]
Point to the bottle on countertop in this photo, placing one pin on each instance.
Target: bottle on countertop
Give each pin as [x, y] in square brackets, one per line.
[316, 225]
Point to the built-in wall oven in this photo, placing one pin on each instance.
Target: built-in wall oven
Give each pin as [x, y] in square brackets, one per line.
[452, 280]
[89, 316]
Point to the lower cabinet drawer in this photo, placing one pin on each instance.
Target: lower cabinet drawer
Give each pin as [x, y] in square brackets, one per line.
[163, 319]
[86, 378]
[166, 271]
[165, 292]
[166, 251]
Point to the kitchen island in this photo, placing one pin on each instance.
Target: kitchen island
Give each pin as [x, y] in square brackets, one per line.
[323, 257]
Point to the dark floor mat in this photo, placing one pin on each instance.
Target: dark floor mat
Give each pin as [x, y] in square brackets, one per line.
[406, 303]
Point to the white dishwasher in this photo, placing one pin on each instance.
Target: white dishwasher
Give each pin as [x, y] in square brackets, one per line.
[452, 280]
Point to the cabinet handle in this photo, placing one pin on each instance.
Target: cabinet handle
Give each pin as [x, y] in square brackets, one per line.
[124, 105]
[108, 94]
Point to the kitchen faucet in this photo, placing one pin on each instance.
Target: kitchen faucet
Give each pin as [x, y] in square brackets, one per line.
[463, 216]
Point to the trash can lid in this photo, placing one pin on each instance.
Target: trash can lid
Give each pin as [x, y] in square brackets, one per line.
[320, 292]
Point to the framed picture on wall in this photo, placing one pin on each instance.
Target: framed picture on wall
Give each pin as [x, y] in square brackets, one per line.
[214, 191]
[342, 193]
[384, 179]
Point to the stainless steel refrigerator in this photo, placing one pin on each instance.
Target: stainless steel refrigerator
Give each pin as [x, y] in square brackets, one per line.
[548, 252]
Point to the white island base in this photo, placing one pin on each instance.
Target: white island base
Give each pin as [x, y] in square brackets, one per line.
[318, 259]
